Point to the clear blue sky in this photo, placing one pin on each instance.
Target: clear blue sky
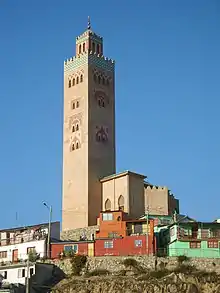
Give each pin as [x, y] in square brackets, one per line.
[167, 98]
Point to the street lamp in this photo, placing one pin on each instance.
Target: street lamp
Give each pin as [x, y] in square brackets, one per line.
[49, 228]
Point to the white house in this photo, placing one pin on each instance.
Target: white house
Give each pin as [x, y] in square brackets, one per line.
[17, 243]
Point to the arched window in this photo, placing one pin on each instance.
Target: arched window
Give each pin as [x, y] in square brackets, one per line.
[97, 48]
[81, 78]
[99, 137]
[77, 80]
[99, 102]
[77, 145]
[77, 104]
[121, 202]
[77, 127]
[73, 128]
[95, 77]
[103, 81]
[108, 205]
[93, 47]
[73, 147]
[99, 79]
[73, 106]
[69, 83]
[80, 48]
[74, 81]
[84, 47]
[103, 104]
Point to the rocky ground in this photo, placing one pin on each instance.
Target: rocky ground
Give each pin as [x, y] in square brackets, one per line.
[185, 278]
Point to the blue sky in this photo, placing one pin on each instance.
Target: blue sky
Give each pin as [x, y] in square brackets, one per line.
[167, 98]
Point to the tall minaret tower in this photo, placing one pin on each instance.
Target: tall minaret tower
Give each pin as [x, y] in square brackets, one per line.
[88, 130]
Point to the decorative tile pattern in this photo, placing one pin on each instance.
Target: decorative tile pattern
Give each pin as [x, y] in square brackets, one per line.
[89, 59]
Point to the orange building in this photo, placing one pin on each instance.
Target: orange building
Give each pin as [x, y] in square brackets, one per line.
[116, 224]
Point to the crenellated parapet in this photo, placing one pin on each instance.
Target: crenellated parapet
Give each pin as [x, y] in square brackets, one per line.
[155, 187]
[89, 58]
[89, 34]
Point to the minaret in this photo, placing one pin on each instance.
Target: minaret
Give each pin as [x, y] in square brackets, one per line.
[88, 130]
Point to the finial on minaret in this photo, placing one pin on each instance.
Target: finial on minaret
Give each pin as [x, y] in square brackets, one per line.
[89, 24]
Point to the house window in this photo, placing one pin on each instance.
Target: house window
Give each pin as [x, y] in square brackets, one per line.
[69, 248]
[194, 244]
[107, 217]
[4, 274]
[138, 243]
[112, 235]
[108, 244]
[31, 249]
[213, 244]
[3, 254]
[21, 273]
[31, 271]
[172, 232]
[84, 47]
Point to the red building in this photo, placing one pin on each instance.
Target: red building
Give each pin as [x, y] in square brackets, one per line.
[78, 247]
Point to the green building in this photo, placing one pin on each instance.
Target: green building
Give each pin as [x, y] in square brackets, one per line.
[193, 239]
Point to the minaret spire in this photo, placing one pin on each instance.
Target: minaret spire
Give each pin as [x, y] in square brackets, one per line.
[89, 23]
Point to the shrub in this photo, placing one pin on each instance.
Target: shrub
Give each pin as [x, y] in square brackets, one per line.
[186, 269]
[182, 258]
[130, 262]
[69, 253]
[98, 272]
[159, 274]
[33, 256]
[78, 262]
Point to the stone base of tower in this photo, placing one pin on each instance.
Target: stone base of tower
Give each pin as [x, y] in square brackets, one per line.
[76, 234]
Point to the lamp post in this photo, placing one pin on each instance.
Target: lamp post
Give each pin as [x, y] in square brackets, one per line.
[49, 228]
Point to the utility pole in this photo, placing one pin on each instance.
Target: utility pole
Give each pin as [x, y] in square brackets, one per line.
[49, 228]
[27, 275]
[147, 230]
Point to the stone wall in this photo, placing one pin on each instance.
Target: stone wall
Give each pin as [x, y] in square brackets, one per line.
[76, 233]
[114, 264]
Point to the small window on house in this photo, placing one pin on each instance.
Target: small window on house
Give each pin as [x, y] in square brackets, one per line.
[107, 216]
[81, 78]
[68, 248]
[31, 271]
[21, 273]
[69, 83]
[108, 244]
[77, 104]
[213, 244]
[75, 248]
[84, 47]
[73, 129]
[80, 49]
[77, 80]
[97, 48]
[3, 254]
[138, 243]
[77, 145]
[93, 47]
[30, 249]
[77, 127]
[73, 82]
[194, 244]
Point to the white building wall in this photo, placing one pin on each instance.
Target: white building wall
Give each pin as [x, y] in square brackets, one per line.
[39, 245]
[14, 275]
